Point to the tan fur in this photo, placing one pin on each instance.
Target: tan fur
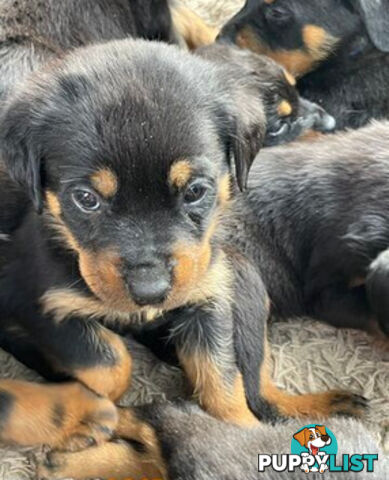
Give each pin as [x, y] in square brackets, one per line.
[105, 182]
[219, 399]
[53, 204]
[180, 173]
[316, 405]
[225, 190]
[113, 380]
[290, 78]
[298, 62]
[32, 418]
[284, 108]
[192, 28]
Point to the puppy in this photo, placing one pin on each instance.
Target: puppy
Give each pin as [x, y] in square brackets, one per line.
[124, 153]
[288, 115]
[33, 33]
[186, 443]
[324, 227]
[337, 48]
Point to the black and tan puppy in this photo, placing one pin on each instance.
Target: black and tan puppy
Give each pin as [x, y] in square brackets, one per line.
[339, 49]
[124, 151]
[187, 444]
[288, 115]
[33, 33]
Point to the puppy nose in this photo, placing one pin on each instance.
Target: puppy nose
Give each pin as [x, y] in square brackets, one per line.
[325, 438]
[148, 284]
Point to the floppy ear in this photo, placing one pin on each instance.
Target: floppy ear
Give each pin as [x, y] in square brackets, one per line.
[375, 14]
[246, 142]
[242, 137]
[19, 152]
[300, 436]
[322, 429]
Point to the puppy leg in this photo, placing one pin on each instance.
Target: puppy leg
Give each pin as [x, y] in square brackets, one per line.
[86, 351]
[315, 405]
[264, 398]
[118, 459]
[204, 342]
[192, 28]
[57, 415]
[377, 287]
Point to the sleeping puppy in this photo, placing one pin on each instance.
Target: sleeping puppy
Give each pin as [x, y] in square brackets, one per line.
[124, 152]
[288, 115]
[324, 227]
[33, 33]
[186, 443]
[339, 50]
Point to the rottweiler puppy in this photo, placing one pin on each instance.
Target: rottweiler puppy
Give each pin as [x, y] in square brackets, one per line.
[189, 444]
[123, 153]
[33, 33]
[288, 115]
[338, 49]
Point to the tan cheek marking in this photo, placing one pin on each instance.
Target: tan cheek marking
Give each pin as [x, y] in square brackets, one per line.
[53, 204]
[314, 37]
[297, 62]
[101, 273]
[180, 173]
[105, 182]
[290, 78]
[284, 108]
[224, 190]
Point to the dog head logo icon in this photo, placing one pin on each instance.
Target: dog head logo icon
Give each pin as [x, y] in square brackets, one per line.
[314, 443]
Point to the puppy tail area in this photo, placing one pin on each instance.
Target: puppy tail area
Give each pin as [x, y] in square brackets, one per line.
[137, 455]
[377, 288]
[191, 27]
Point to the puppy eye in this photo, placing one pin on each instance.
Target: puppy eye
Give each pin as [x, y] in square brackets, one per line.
[194, 193]
[277, 14]
[86, 200]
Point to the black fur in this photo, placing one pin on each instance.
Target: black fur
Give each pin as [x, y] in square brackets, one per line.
[349, 80]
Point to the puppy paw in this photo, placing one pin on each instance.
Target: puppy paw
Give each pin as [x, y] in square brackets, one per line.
[347, 404]
[95, 426]
[51, 466]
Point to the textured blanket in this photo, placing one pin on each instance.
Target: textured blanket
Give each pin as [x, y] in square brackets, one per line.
[307, 356]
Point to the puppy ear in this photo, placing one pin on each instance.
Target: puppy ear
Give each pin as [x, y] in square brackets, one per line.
[375, 14]
[242, 137]
[246, 142]
[300, 436]
[322, 429]
[21, 156]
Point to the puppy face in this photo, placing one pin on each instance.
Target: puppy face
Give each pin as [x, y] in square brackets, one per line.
[300, 34]
[127, 151]
[287, 114]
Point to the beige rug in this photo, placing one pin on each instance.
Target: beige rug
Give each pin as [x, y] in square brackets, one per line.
[342, 359]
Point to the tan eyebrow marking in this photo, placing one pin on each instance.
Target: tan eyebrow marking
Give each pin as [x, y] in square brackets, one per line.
[180, 173]
[105, 182]
[284, 108]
